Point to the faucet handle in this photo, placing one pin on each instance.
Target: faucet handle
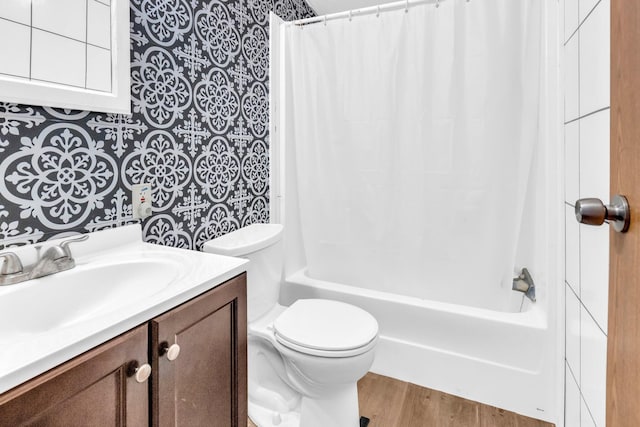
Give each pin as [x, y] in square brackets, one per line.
[11, 264]
[65, 245]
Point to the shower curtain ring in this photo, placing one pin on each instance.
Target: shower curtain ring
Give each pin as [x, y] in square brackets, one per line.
[437, 3]
[350, 14]
[378, 12]
[406, 6]
[325, 20]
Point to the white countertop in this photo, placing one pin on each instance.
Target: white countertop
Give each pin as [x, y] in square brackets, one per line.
[26, 351]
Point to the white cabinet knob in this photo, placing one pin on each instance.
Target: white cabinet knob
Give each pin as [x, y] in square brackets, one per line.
[141, 372]
[172, 352]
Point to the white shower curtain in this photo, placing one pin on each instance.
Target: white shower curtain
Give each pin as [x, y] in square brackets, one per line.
[414, 134]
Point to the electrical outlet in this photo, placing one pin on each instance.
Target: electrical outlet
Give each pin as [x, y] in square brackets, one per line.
[141, 200]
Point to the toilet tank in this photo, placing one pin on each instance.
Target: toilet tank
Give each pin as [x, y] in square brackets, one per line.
[261, 244]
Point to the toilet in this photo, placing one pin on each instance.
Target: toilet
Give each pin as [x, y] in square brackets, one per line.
[304, 360]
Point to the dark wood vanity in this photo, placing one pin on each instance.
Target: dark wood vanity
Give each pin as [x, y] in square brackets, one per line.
[204, 385]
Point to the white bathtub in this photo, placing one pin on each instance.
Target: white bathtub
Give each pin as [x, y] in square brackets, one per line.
[498, 358]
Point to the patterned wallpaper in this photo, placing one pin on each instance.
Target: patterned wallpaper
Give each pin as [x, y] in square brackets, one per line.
[199, 133]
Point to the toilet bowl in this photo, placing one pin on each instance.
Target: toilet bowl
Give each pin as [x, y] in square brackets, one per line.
[304, 360]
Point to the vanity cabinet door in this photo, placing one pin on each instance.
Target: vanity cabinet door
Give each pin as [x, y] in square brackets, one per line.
[206, 382]
[93, 389]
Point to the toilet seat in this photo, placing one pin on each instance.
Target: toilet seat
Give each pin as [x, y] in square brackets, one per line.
[326, 328]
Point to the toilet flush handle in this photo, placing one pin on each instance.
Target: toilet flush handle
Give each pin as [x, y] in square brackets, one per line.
[171, 351]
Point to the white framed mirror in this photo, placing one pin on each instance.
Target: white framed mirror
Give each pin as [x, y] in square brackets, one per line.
[66, 53]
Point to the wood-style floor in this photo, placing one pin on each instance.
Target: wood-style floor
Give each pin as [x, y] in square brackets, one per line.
[392, 403]
[388, 402]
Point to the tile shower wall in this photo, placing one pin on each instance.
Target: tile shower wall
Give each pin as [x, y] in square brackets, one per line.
[586, 60]
[198, 133]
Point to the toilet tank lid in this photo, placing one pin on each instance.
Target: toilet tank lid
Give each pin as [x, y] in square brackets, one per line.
[245, 240]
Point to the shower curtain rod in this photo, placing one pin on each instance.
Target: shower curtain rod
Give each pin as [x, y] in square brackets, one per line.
[402, 4]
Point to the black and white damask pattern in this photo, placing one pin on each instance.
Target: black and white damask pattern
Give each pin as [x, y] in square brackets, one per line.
[198, 133]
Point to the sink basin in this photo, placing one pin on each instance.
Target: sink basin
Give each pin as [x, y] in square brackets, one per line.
[85, 292]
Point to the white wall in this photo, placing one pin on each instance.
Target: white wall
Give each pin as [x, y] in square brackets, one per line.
[586, 116]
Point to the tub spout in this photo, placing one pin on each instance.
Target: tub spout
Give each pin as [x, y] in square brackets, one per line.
[524, 283]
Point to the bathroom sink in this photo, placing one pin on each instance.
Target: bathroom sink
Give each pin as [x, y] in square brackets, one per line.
[118, 283]
[83, 293]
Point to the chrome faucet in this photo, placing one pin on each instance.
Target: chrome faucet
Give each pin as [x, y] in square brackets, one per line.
[54, 260]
